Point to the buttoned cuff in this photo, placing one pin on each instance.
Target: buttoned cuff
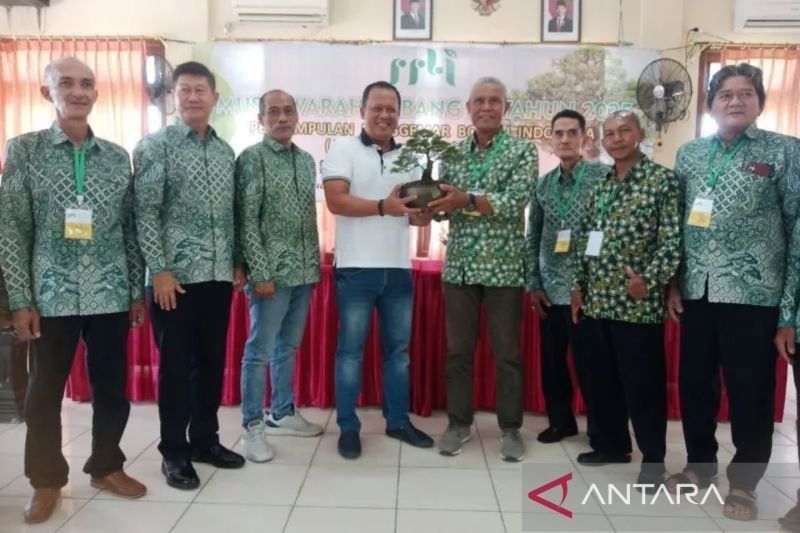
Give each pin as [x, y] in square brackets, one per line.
[137, 293]
[535, 285]
[257, 278]
[157, 268]
[20, 301]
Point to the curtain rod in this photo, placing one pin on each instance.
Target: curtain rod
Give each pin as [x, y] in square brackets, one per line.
[76, 38]
[390, 41]
[744, 46]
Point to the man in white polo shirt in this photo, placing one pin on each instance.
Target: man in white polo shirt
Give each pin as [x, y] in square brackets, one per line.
[373, 268]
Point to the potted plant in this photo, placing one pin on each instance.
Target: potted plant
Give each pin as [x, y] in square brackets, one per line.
[423, 149]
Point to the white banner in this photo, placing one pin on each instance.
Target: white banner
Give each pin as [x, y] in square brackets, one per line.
[434, 80]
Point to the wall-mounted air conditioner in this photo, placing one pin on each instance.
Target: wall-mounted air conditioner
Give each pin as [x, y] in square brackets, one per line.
[767, 16]
[284, 12]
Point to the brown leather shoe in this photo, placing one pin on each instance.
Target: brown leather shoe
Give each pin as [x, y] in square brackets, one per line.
[120, 484]
[41, 505]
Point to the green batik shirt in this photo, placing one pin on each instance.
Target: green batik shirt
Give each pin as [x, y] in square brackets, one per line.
[641, 229]
[42, 268]
[557, 196]
[277, 213]
[749, 254]
[5, 311]
[490, 249]
[184, 204]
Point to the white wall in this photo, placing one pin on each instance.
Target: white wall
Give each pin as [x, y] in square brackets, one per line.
[647, 23]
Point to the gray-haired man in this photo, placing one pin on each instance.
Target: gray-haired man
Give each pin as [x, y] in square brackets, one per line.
[486, 262]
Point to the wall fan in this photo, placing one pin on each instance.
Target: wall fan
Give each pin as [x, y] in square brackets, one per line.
[664, 91]
[158, 83]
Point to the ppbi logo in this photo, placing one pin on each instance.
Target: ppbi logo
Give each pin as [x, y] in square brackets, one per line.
[432, 64]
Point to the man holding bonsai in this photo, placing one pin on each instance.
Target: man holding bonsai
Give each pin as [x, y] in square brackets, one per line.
[486, 262]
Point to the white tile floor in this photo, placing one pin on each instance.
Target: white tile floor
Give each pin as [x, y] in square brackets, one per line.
[393, 488]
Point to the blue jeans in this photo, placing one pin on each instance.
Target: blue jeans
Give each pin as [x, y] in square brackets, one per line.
[276, 330]
[358, 292]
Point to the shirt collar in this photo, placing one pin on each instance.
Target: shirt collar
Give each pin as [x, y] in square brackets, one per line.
[640, 164]
[366, 141]
[277, 146]
[572, 172]
[492, 141]
[187, 130]
[58, 136]
[751, 133]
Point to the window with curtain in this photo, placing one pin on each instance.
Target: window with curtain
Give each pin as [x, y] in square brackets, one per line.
[781, 82]
[121, 112]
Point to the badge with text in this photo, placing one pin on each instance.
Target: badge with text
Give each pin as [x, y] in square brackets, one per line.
[78, 224]
[562, 241]
[700, 215]
[595, 243]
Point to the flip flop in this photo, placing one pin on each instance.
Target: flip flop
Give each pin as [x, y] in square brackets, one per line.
[792, 519]
[749, 503]
[682, 479]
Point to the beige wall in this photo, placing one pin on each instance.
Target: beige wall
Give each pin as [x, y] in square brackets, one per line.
[647, 23]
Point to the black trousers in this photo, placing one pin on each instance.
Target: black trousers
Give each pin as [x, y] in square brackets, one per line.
[740, 340]
[105, 337]
[628, 374]
[191, 339]
[557, 332]
[504, 314]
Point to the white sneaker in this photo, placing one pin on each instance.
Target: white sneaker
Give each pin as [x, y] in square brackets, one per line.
[292, 425]
[256, 447]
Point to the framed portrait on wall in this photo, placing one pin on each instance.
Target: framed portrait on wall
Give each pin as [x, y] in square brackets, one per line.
[413, 20]
[561, 21]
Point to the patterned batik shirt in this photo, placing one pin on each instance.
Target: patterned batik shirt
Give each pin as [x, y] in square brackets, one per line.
[184, 204]
[276, 191]
[641, 229]
[490, 249]
[5, 310]
[43, 269]
[749, 254]
[558, 195]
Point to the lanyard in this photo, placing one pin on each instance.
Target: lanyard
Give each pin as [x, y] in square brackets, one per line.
[605, 200]
[479, 171]
[715, 172]
[562, 205]
[79, 161]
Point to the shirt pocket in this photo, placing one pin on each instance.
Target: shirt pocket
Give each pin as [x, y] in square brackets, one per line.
[758, 192]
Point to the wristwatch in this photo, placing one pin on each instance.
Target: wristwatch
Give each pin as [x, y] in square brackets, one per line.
[471, 203]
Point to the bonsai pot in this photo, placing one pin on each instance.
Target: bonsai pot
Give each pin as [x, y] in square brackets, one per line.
[425, 189]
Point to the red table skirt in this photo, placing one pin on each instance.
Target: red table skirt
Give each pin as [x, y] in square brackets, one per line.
[313, 379]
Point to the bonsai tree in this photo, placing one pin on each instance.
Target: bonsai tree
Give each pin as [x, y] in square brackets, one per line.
[423, 149]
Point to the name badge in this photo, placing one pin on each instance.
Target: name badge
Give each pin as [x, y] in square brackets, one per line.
[595, 244]
[78, 224]
[562, 241]
[700, 215]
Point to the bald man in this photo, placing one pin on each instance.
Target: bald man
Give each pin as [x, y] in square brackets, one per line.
[74, 274]
[629, 248]
[276, 191]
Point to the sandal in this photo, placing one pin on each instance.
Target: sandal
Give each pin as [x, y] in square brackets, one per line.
[746, 502]
[792, 519]
[681, 478]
